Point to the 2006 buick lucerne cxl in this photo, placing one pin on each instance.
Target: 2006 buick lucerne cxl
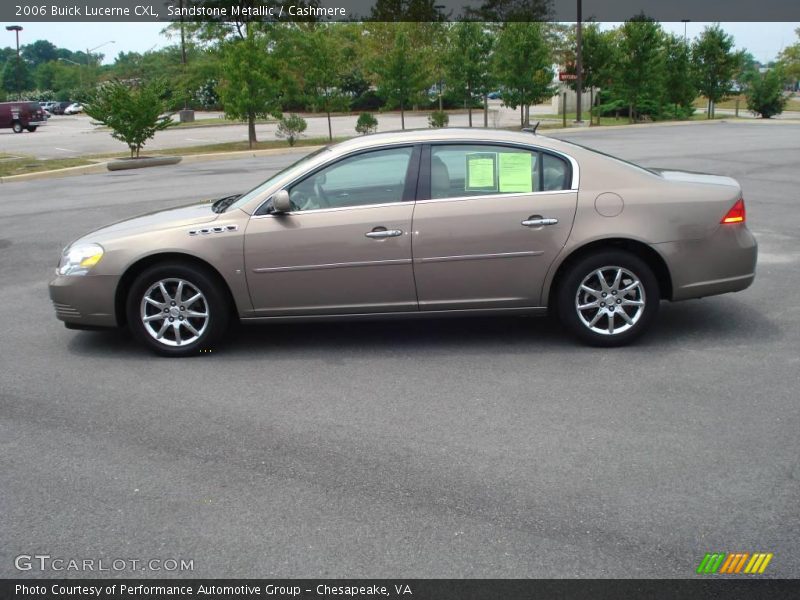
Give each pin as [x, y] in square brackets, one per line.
[419, 223]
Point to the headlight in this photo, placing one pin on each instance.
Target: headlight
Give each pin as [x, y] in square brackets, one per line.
[77, 260]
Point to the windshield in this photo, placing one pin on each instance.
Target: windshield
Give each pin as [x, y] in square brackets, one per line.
[246, 197]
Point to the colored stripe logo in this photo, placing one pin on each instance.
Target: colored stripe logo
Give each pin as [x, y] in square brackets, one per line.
[731, 563]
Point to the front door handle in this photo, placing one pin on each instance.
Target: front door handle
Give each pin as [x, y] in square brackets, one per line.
[537, 221]
[382, 232]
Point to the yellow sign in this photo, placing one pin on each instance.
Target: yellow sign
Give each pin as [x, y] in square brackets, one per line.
[515, 172]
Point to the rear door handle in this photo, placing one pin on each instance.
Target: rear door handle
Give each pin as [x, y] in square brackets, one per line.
[537, 221]
[382, 232]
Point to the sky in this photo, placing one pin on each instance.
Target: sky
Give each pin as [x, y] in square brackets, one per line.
[763, 40]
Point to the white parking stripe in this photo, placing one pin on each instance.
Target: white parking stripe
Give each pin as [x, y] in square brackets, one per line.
[67, 150]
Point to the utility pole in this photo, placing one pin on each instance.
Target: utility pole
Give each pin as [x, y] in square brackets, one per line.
[16, 29]
[685, 39]
[579, 64]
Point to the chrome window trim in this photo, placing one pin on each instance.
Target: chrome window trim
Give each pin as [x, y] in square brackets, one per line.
[576, 170]
[337, 209]
[492, 196]
[573, 163]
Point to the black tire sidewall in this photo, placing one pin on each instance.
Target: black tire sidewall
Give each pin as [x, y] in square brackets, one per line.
[568, 287]
[217, 306]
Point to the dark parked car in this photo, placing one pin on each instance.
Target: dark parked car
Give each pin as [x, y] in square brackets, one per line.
[21, 115]
[58, 107]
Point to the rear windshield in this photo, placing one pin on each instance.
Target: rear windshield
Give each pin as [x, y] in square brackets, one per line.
[611, 156]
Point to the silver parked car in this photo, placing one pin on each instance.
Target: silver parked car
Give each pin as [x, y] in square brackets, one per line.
[414, 224]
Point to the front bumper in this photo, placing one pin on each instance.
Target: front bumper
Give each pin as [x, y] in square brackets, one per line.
[721, 263]
[85, 300]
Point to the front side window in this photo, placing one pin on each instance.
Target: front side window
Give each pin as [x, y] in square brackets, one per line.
[375, 177]
[480, 170]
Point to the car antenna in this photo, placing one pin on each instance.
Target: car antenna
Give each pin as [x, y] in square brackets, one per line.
[532, 129]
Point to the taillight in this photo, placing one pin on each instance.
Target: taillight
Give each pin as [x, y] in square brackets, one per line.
[736, 214]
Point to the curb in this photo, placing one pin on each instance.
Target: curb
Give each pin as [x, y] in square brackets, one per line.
[102, 167]
[125, 164]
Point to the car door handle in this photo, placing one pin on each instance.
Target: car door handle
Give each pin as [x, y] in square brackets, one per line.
[383, 233]
[539, 221]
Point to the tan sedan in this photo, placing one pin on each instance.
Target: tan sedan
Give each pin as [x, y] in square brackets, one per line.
[418, 224]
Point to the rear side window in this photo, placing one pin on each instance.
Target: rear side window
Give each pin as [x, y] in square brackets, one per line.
[461, 170]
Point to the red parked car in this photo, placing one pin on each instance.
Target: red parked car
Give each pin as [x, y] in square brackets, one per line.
[21, 115]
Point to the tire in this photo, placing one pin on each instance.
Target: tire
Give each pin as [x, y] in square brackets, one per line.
[600, 322]
[31, 128]
[16, 126]
[188, 328]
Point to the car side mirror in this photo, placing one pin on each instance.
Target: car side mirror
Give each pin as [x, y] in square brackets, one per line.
[281, 203]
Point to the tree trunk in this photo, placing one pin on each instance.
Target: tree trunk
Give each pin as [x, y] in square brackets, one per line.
[630, 113]
[486, 110]
[521, 116]
[251, 130]
[402, 117]
[330, 129]
[527, 114]
[591, 105]
[469, 104]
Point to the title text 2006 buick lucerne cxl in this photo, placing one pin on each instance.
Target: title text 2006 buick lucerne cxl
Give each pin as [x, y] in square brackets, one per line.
[421, 223]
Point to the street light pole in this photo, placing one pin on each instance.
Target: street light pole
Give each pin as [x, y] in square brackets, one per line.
[579, 64]
[16, 29]
[80, 69]
[685, 39]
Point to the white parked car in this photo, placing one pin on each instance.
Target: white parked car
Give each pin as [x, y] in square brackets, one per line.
[73, 109]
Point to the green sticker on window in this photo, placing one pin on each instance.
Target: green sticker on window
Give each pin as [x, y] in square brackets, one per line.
[481, 172]
[515, 172]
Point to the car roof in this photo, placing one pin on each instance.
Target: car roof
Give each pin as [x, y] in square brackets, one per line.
[451, 134]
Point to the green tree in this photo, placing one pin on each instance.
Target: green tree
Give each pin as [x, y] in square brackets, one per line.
[765, 93]
[522, 64]
[321, 54]
[251, 82]
[16, 77]
[715, 64]
[789, 59]
[39, 52]
[469, 61]
[133, 112]
[679, 85]
[638, 81]
[401, 73]
[599, 56]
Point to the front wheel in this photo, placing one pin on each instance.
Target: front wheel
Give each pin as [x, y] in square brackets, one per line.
[177, 310]
[609, 298]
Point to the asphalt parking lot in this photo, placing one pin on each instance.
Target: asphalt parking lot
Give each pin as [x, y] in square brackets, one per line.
[446, 448]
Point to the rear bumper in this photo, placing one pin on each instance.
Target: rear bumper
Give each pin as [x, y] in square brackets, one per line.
[85, 301]
[721, 263]
[36, 123]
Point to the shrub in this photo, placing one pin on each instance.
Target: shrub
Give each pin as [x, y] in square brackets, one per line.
[133, 112]
[291, 128]
[438, 118]
[366, 123]
[765, 94]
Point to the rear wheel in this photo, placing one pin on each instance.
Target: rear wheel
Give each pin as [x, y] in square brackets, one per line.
[609, 298]
[16, 126]
[31, 128]
[177, 310]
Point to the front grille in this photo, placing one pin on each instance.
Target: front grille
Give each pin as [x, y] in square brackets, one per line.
[65, 310]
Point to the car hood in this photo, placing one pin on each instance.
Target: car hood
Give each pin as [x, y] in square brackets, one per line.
[694, 177]
[193, 214]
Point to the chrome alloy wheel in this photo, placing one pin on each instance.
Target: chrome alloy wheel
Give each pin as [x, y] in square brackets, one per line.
[174, 312]
[610, 300]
